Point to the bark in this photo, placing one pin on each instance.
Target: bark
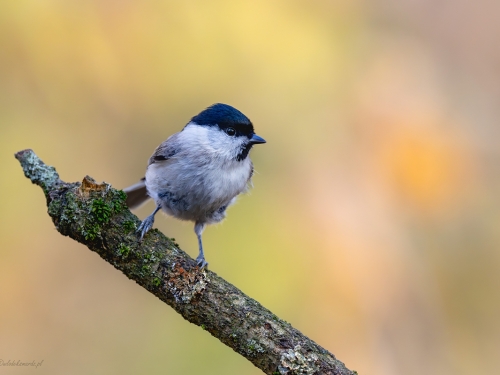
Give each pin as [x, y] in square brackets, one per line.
[96, 215]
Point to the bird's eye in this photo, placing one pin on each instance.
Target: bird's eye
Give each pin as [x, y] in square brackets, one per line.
[230, 131]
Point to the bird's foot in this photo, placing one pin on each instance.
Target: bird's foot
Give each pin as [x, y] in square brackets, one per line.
[145, 226]
[201, 262]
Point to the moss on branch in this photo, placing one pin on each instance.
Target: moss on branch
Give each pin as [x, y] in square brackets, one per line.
[96, 215]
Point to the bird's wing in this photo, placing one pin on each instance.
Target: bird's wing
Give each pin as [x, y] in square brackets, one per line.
[165, 151]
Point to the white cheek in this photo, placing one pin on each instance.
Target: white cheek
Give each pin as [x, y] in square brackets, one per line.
[212, 140]
[228, 146]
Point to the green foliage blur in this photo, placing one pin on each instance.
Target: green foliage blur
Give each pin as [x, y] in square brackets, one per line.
[373, 225]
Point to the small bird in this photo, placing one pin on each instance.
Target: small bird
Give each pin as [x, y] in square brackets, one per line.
[197, 173]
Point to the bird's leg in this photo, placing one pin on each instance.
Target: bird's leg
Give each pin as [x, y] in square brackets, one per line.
[147, 223]
[200, 260]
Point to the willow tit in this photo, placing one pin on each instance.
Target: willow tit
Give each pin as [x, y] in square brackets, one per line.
[197, 173]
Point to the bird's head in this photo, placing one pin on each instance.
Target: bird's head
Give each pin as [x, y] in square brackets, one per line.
[227, 130]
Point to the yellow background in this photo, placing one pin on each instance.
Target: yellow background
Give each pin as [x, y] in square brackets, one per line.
[373, 225]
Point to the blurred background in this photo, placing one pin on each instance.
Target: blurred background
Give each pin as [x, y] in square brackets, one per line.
[375, 213]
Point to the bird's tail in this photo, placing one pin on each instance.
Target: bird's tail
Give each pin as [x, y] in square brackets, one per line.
[137, 194]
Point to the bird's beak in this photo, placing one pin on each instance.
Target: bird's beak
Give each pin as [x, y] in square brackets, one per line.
[256, 139]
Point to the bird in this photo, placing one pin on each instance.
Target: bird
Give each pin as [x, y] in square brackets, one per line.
[197, 173]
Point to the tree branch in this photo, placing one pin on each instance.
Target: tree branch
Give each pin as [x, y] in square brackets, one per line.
[96, 215]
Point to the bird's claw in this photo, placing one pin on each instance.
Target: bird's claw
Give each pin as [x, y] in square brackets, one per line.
[201, 262]
[145, 226]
